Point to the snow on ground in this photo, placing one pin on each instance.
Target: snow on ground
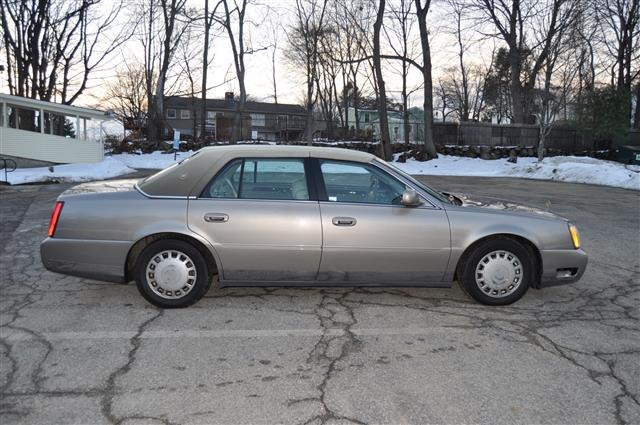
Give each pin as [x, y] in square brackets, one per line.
[156, 160]
[107, 168]
[559, 168]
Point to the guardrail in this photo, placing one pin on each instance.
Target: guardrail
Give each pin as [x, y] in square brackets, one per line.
[9, 166]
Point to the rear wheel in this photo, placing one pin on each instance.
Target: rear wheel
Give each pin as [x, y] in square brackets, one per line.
[172, 273]
[497, 271]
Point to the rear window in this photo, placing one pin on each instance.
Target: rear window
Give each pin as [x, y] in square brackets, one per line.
[164, 171]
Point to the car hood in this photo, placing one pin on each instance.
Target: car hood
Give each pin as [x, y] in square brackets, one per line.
[472, 201]
[124, 185]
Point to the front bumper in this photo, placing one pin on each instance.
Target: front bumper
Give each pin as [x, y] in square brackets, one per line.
[562, 266]
[94, 259]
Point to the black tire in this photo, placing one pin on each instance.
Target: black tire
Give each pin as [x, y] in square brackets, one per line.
[198, 289]
[468, 264]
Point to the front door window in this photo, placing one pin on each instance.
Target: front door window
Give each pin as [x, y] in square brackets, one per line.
[360, 183]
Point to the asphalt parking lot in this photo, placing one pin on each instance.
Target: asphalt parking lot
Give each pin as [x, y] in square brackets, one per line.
[80, 351]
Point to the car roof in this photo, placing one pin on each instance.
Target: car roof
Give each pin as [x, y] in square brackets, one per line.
[289, 151]
[188, 177]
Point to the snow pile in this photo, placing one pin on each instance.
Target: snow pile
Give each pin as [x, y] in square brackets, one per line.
[105, 169]
[560, 168]
[156, 160]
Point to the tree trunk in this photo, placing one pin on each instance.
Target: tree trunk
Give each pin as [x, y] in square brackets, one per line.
[421, 13]
[517, 99]
[158, 112]
[541, 141]
[308, 131]
[205, 62]
[405, 121]
[636, 120]
[387, 151]
[273, 75]
[238, 129]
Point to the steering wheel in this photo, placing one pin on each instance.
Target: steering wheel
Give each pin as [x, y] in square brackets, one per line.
[374, 188]
[230, 187]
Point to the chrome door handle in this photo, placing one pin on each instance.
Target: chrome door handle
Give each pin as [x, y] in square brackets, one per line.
[216, 218]
[344, 221]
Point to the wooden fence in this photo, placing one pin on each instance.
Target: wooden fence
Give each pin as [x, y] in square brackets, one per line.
[562, 138]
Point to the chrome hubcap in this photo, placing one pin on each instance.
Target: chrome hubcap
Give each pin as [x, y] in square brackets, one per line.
[171, 274]
[499, 273]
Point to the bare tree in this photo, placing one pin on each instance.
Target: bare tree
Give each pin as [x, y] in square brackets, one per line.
[304, 50]
[274, 41]
[208, 19]
[352, 27]
[53, 47]
[385, 139]
[402, 42]
[552, 97]
[174, 20]
[187, 54]
[620, 25]
[126, 96]
[327, 81]
[462, 84]
[516, 22]
[233, 21]
[444, 93]
[422, 11]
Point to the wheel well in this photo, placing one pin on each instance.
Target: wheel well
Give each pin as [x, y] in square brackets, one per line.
[139, 246]
[524, 241]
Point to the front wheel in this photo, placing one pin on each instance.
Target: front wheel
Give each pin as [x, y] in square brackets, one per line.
[172, 274]
[498, 271]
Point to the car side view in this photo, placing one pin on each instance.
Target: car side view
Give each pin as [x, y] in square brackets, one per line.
[302, 216]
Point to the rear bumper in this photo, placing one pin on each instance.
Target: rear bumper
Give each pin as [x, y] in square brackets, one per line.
[562, 266]
[94, 259]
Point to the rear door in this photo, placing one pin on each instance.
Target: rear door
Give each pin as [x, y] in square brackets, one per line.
[262, 219]
[369, 238]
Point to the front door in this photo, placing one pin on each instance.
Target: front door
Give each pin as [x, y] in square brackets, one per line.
[369, 238]
[258, 215]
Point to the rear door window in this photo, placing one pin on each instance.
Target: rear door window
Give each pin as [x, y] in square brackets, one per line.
[261, 178]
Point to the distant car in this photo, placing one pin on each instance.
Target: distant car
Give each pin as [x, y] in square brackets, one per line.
[302, 216]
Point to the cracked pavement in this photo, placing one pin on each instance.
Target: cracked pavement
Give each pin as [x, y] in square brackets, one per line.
[80, 351]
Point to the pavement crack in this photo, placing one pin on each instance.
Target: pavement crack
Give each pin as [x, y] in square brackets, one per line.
[110, 390]
[331, 348]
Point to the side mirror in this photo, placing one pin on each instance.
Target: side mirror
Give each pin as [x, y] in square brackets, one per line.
[410, 198]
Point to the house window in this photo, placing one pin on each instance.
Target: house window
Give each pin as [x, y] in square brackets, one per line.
[366, 117]
[211, 118]
[184, 114]
[395, 130]
[257, 120]
[171, 113]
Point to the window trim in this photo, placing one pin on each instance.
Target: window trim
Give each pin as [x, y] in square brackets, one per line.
[175, 114]
[311, 189]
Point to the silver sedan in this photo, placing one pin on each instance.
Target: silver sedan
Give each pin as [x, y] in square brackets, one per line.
[302, 216]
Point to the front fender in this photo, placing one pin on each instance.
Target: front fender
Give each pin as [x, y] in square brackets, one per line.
[470, 225]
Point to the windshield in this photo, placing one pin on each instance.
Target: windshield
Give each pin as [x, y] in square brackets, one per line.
[439, 196]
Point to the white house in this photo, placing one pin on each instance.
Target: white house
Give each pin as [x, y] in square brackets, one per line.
[51, 132]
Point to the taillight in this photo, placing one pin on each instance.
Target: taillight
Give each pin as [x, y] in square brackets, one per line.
[54, 218]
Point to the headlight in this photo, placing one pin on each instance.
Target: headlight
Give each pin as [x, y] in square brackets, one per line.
[575, 236]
